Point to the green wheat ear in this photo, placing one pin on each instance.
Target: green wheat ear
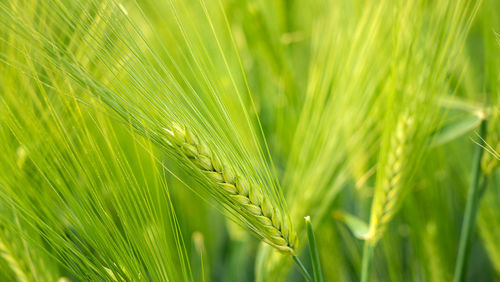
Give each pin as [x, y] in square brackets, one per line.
[388, 193]
[247, 197]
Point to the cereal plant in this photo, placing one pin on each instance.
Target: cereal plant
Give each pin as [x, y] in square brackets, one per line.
[249, 140]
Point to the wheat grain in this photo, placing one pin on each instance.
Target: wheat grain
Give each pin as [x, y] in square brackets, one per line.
[390, 189]
[270, 224]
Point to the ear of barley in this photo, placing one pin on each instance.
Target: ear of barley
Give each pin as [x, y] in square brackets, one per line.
[389, 190]
[130, 95]
[247, 197]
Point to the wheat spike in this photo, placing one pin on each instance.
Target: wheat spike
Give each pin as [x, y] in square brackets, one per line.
[269, 223]
[393, 178]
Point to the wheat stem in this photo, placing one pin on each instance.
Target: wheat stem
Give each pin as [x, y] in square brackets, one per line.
[302, 269]
[367, 261]
[473, 197]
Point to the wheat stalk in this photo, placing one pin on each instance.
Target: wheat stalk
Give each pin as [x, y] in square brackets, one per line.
[269, 223]
[393, 179]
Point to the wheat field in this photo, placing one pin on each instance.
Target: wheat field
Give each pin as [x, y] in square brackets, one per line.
[249, 140]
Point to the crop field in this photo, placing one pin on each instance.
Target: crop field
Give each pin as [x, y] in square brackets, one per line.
[250, 140]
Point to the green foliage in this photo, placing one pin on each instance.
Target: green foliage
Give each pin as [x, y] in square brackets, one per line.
[185, 140]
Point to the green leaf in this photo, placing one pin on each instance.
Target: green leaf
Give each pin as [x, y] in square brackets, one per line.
[454, 103]
[357, 226]
[456, 128]
[318, 276]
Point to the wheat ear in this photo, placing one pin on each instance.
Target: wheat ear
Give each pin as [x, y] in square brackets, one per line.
[269, 223]
[387, 198]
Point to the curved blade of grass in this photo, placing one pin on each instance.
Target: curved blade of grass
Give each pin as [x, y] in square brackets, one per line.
[357, 226]
[456, 128]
